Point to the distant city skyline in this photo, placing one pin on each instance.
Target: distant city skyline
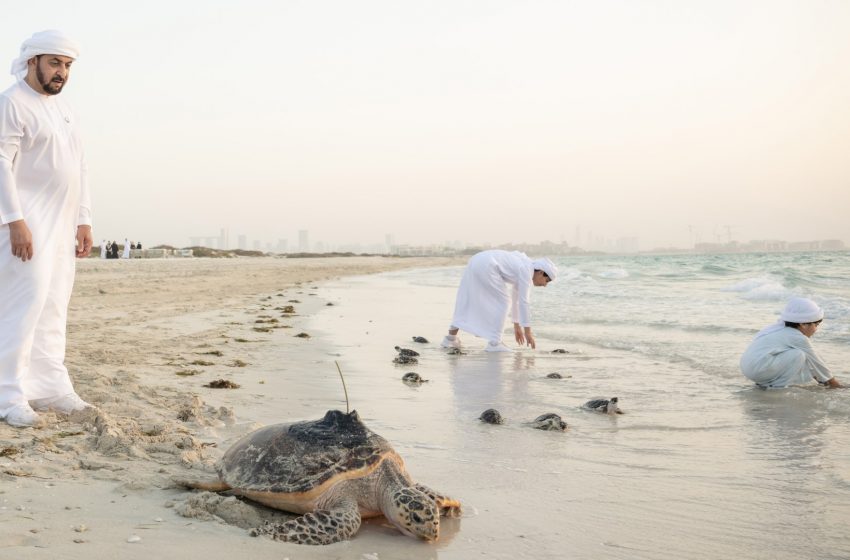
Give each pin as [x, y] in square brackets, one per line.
[592, 243]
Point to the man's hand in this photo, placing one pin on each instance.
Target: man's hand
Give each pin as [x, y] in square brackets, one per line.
[20, 239]
[84, 241]
[523, 336]
[518, 335]
[529, 338]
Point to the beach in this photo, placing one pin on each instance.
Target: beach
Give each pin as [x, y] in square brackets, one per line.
[701, 465]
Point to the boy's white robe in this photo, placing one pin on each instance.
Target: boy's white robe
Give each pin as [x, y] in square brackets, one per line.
[43, 181]
[780, 356]
[493, 283]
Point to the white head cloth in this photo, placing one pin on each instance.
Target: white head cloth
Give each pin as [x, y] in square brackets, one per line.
[797, 310]
[44, 42]
[801, 310]
[546, 266]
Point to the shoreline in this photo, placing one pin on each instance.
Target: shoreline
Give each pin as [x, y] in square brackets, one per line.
[144, 337]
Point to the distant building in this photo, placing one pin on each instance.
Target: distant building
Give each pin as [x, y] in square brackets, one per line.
[303, 240]
[243, 241]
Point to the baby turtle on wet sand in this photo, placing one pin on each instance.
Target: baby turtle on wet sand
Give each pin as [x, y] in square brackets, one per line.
[420, 339]
[335, 471]
[402, 359]
[455, 351]
[555, 375]
[406, 351]
[491, 416]
[413, 378]
[559, 351]
[550, 421]
[604, 405]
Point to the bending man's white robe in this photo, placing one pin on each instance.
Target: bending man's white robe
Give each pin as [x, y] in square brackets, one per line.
[494, 282]
[779, 357]
[43, 181]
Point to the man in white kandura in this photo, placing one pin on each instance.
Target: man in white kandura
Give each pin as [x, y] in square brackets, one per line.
[782, 355]
[483, 300]
[44, 212]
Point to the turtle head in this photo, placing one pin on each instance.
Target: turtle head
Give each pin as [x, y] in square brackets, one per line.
[414, 513]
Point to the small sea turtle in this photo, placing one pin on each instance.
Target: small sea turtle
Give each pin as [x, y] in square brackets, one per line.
[402, 359]
[222, 384]
[604, 405]
[549, 421]
[491, 416]
[413, 378]
[335, 471]
[406, 351]
[555, 375]
[559, 351]
[420, 339]
[455, 351]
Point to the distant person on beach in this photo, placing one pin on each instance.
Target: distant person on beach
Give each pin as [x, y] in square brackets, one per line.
[484, 299]
[139, 245]
[103, 249]
[782, 355]
[133, 245]
[113, 250]
[125, 254]
[44, 211]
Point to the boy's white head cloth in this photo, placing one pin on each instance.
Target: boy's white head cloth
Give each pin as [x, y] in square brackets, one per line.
[801, 310]
[50, 41]
[797, 310]
[547, 266]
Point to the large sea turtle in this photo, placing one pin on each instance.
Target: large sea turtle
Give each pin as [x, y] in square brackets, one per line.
[335, 471]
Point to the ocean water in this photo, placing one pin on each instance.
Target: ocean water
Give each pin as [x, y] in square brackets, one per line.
[701, 465]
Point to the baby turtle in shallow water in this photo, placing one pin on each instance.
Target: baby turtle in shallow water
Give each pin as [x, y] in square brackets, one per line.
[550, 421]
[555, 375]
[402, 359]
[455, 351]
[420, 339]
[604, 405]
[406, 351]
[335, 471]
[491, 416]
[413, 378]
[559, 351]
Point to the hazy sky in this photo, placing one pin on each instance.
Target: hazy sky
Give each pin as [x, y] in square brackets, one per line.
[484, 120]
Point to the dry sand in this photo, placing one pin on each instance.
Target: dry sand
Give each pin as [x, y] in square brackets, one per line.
[142, 336]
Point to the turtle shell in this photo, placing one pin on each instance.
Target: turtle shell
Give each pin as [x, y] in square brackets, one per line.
[597, 403]
[298, 457]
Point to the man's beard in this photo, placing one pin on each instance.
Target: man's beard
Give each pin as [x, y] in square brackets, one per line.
[50, 87]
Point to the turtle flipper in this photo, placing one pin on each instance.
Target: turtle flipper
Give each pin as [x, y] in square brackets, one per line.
[323, 526]
[448, 507]
[216, 485]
